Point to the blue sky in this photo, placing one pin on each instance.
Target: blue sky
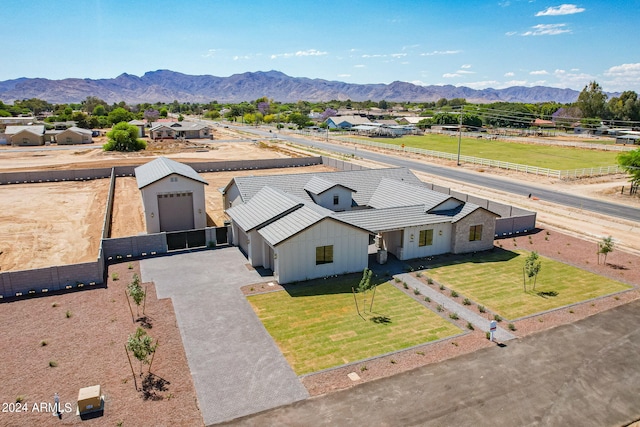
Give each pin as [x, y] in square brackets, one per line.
[478, 44]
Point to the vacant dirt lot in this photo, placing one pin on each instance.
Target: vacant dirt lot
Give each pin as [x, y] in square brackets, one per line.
[127, 218]
[83, 335]
[47, 224]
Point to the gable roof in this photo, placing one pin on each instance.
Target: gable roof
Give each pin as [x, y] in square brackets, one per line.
[268, 204]
[362, 182]
[177, 126]
[75, 129]
[161, 168]
[317, 185]
[34, 129]
[391, 193]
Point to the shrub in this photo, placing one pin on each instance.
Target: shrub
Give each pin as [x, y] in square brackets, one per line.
[497, 318]
[511, 327]
[470, 326]
[466, 301]
[440, 308]
[130, 266]
[68, 314]
[115, 276]
[454, 294]
[416, 291]
[481, 309]
[43, 343]
[442, 287]
[53, 363]
[397, 280]
[488, 335]
[20, 398]
[421, 353]
[427, 299]
[419, 274]
[430, 281]
[55, 304]
[393, 361]
[404, 285]
[363, 368]
[454, 316]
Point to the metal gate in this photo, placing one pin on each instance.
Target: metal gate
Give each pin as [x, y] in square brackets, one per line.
[221, 235]
[186, 239]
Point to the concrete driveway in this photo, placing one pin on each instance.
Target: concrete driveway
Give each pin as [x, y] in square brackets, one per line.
[583, 374]
[236, 367]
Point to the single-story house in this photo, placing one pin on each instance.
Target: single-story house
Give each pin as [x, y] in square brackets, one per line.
[628, 138]
[174, 130]
[172, 196]
[411, 120]
[74, 135]
[25, 135]
[306, 226]
[140, 124]
[346, 122]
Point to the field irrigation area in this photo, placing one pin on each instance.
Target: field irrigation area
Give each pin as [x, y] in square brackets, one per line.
[544, 156]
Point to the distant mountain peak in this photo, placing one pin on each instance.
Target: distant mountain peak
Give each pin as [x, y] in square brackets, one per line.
[166, 85]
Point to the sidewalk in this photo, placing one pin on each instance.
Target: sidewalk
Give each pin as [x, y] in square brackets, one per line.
[478, 322]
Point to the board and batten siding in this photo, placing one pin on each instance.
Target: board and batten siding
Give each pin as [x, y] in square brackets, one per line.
[296, 257]
[167, 186]
[326, 199]
[441, 241]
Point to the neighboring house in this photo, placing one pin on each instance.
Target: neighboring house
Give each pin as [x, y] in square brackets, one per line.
[74, 135]
[411, 120]
[314, 225]
[172, 196]
[25, 135]
[346, 122]
[174, 130]
[140, 124]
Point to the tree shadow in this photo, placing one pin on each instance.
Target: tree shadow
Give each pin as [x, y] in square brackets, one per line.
[329, 285]
[617, 266]
[145, 322]
[381, 320]
[151, 385]
[547, 294]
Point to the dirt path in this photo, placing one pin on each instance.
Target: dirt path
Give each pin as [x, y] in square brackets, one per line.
[128, 216]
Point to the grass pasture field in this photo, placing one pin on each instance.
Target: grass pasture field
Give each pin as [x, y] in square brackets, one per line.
[495, 279]
[316, 325]
[544, 156]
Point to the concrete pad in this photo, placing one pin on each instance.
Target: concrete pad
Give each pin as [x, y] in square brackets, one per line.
[236, 367]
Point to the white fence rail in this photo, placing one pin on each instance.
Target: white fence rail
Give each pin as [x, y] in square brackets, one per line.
[561, 174]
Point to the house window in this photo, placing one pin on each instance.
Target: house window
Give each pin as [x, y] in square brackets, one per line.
[69, 140]
[324, 254]
[173, 179]
[426, 238]
[475, 233]
[336, 199]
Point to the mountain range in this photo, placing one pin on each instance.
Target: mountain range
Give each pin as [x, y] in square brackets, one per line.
[167, 86]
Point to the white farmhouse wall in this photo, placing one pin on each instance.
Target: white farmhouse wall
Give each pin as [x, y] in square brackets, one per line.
[231, 196]
[166, 186]
[326, 199]
[441, 241]
[255, 248]
[296, 257]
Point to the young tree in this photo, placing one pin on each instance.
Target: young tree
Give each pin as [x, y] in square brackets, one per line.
[136, 292]
[532, 266]
[605, 247]
[142, 346]
[124, 137]
[365, 285]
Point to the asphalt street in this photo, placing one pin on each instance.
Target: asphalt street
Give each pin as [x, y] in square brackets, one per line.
[517, 188]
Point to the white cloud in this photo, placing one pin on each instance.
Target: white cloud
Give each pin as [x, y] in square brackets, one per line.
[509, 74]
[451, 75]
[511, 33]
[465, 72]
[483, 84]
[210, 53]
[465, 66]
[398, 55]
[563, 9]
[419, 83]
[623, 77]
[539, 73]
[547, 30]
[300, 53]
[374, 55]
[441, 52]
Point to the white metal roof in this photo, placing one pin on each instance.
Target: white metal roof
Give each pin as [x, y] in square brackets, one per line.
[163, 167]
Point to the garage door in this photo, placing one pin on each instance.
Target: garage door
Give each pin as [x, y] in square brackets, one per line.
[176, 211]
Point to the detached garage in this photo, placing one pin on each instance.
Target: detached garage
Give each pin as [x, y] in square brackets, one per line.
[172, 196]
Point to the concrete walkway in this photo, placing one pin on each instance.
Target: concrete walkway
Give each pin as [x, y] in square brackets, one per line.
[451, 305]
[236, 367]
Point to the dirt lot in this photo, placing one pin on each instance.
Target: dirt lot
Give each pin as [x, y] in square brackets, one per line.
[127, 218]
[83, 334]
[47, 224]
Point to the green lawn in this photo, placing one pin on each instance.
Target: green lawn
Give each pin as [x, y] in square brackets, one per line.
[552, 157]
[495, 280]
[316, 325]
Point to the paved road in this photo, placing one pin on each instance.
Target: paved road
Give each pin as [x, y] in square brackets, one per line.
[518, 188]
[583, 374]
[236, 367]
